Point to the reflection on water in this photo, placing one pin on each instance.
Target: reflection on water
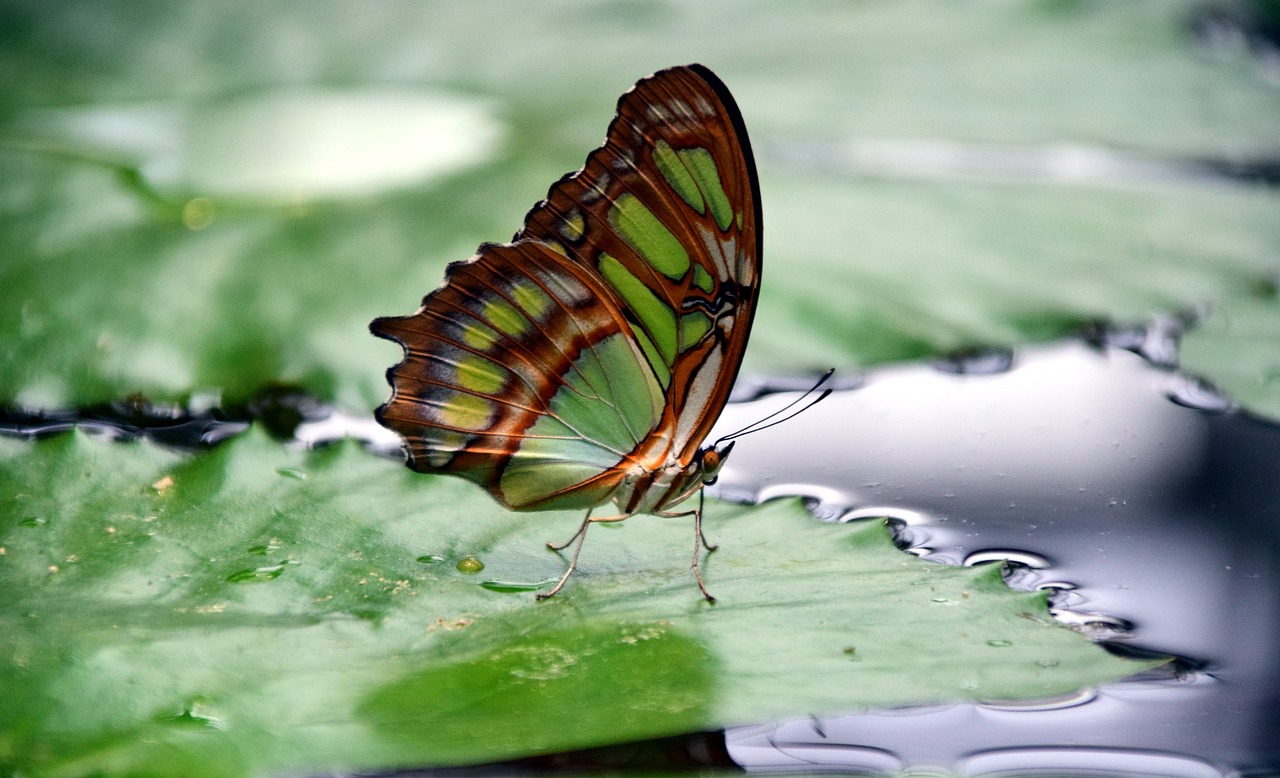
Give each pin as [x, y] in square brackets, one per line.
[1125, 488]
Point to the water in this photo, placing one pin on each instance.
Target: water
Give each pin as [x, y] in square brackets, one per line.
[1128, 489]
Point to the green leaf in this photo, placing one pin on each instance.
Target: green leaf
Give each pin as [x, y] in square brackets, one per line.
[254, 610]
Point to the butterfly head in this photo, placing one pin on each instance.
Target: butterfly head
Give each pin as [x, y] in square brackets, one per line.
[712, 459]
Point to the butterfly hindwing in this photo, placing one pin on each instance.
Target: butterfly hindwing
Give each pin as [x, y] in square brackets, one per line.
[518, 375]
[607, 335]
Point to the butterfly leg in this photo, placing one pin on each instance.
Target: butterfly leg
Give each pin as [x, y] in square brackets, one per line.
[580, 536]
[699, 543]
[700, 539]
[697, 522]
[582, 530]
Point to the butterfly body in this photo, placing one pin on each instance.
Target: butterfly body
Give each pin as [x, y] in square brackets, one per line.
[585, 362]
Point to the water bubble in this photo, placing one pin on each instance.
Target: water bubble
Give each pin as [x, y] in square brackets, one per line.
[1000, 643]
[430, 559]
[34, 521]
[265, 549]
[292, 472]
[469, 564]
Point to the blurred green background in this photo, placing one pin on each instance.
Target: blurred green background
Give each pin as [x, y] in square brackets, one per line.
[208, 198]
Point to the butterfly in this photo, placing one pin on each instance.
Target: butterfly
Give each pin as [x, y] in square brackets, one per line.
[585, 362]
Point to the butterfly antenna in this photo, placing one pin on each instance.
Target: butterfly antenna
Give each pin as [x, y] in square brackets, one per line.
[773, 418]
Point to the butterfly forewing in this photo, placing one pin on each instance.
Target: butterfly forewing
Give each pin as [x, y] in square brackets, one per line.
[606, 337]
[668, 211]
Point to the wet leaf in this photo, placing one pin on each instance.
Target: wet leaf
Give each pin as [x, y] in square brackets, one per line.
[134, 640]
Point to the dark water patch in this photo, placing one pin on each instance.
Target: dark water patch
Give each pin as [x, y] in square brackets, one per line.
[1137, 495]
[281, 410]
[690, 753]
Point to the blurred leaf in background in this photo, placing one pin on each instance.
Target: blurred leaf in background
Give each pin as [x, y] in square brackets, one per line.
[206, 197]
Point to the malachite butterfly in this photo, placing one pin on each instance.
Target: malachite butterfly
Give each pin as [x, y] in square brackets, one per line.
[585, 362]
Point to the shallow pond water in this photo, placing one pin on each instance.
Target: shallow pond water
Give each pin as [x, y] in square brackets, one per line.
[1137, 495]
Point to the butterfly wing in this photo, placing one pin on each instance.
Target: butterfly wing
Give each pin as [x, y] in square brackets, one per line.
[668, 211]
[608, 334]
[518, 375]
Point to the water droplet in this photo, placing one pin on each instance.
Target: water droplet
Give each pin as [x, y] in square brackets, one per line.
[430, 559]
[197, 213]
[1063, 702]
[34, 521]
[263, 550]
[292, 472]
[265, 573]
[516, 586]
[469, 564]
[1046, 663]
[1025, 558]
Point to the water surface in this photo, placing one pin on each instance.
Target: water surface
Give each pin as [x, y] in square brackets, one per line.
[1143, 500]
